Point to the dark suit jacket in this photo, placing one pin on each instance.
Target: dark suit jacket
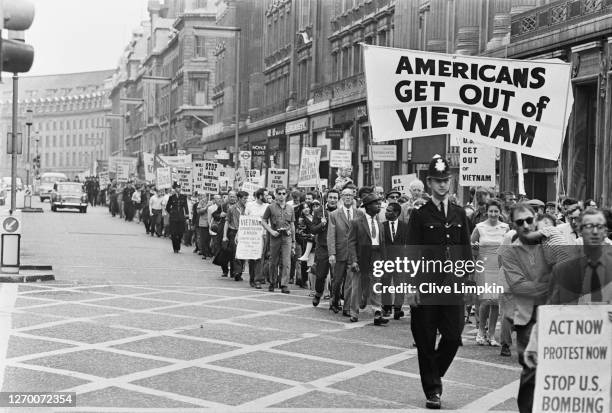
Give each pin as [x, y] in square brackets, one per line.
[360, 241]
[401, 233]
[567, 281]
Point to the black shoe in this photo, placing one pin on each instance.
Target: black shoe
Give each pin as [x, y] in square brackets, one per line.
[238, 277]
[257, 286]
[363, 305]
[252, 284]
[433, 401]
[315, 301]
[224, 274]
[505, 351]
[271, 288]
[386, 313]
[285, 290]
[397, 314]
[334, 308]
[353, 319]
[379, 320]
[345, 313]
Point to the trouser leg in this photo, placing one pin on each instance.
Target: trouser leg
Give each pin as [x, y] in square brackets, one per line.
[527, 381]
[322, 260]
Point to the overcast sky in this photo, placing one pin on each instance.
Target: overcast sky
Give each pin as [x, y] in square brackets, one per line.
[81, 35]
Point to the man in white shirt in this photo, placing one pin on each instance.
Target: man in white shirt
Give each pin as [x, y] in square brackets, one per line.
[570, 229]
[156, 210]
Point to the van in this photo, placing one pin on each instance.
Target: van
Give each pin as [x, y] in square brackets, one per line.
[47, 180]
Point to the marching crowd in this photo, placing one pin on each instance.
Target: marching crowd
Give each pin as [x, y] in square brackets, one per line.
[329, 242]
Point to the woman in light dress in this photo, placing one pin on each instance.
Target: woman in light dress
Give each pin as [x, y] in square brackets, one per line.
[486, 239]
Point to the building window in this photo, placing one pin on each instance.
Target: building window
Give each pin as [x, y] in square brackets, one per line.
[356, 59]
[74, 159]
[200, 46]
[201, 4]
[199, 90]
[46, 165]
[54, 159]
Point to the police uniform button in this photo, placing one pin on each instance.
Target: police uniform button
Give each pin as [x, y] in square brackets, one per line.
[447, 236]
[431, 227]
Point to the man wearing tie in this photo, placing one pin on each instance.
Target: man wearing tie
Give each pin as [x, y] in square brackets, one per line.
[337, 244]
[366, 245]
[438, 231]
[396, 237]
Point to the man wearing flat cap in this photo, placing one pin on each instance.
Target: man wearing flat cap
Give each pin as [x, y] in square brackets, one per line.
[365, 245]
[437, 231]
[178, 212]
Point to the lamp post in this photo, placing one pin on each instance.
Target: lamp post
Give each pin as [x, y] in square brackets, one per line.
[29, 115]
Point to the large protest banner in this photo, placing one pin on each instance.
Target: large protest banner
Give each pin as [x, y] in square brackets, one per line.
[309, 167]
[278, 178]
[178, 160]
[114, 160]
[574, 372]
[476, 164]
[183, 177]
[401, 182]
[164, 179]
[149, 170]
[250, 238]
[518, 105]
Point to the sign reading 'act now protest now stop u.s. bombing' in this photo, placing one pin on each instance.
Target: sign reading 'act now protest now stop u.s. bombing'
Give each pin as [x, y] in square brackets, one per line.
[518, 105]
[574, 372]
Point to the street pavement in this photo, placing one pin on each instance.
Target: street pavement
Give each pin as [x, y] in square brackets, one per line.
[130, 326]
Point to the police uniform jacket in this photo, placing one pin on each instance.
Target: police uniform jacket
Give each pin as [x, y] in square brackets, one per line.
[177, 207]
[432, 236]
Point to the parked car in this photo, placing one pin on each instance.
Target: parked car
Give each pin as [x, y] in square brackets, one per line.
[68, 195]
[47, 180]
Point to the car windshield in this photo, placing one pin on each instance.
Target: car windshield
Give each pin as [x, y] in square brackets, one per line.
[70, 188]
[51, 179]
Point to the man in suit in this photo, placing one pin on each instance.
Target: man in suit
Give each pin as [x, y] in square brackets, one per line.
[396, 237]
[337, 244]
[437, 231]
[366, 245]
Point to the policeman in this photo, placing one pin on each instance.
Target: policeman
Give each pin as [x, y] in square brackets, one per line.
[438, 233]
[178, 210]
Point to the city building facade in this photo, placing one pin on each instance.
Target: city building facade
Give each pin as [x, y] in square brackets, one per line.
[68, 128]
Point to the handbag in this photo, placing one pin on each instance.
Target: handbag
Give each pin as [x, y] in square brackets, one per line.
[223, 257]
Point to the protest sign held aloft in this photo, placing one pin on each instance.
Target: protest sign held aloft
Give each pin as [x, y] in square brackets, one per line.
[476, 164]
[402, 182]
[309, 167]
[574, 359]
[149, 170]
[518, 105]
[278, 178]
[183, 174]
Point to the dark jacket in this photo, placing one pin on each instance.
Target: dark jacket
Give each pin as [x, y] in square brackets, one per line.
[401, 233]
[177, 207]
[318, 228]
[360, 241]
[432, 236]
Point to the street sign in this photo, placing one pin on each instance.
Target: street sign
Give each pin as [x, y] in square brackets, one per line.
[10, 225]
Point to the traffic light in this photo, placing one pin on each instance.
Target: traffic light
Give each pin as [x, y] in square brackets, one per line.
[15, 55]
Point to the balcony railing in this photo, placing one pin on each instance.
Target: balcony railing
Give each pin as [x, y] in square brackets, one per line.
[557, 13]
[358, 12]
[350, 86]
[266, 111]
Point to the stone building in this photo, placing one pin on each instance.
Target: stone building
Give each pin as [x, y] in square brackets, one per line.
[68, 114]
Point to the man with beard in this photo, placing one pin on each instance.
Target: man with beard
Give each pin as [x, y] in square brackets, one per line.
[319, 229]
[437, 231]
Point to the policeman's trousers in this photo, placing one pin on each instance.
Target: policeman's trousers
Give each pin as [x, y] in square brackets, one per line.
[425, 321]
